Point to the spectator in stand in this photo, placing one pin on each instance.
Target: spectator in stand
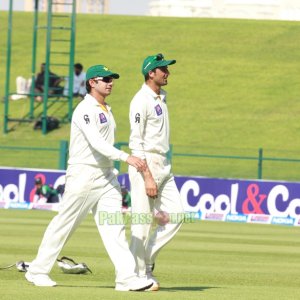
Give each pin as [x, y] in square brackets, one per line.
[79, 89]
[54, 81]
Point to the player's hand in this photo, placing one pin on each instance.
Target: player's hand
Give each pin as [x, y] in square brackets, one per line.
[151, 187]
[136, 162]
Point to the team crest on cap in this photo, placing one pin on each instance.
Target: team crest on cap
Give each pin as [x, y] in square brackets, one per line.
[105, 68]
[158, 110]
[102, 118]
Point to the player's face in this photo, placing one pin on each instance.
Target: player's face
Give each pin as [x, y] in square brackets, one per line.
[102, 85]
[161, 75]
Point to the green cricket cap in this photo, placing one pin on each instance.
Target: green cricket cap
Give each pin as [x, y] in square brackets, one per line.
[155, 61]
[100, 71]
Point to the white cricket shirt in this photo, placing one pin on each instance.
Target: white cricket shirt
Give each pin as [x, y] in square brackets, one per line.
[93, 135]
[149, 123]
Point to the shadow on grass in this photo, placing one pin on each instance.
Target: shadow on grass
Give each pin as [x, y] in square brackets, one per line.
[84, 286]
[187, 288]
[162, 289]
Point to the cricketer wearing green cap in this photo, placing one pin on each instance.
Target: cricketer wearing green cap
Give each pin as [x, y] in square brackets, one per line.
[154, 61]
[153, 191]
[92, 185]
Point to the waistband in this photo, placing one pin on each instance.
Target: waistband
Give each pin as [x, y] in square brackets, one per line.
[84, 167]
[155, 153]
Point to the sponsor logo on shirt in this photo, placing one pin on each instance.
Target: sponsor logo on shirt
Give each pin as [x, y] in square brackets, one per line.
[102, 118]
[137, 118]
[86, 119]
[158, 110]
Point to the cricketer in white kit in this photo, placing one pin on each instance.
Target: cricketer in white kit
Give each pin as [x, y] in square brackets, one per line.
[91, 185]
[153, 191]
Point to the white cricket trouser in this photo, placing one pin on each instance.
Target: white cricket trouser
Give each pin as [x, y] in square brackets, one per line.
[143, 246]
[88, 188]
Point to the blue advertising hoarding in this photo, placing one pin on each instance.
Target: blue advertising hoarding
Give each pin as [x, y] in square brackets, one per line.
[233, 200]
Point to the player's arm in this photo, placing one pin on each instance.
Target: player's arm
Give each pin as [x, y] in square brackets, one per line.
[136, 162]
[137, 118]
[150, 184]
[98, 143]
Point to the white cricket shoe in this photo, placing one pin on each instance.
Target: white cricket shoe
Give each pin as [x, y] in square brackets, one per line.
[149, 273]
[155, 284]
[40, 279]
[136, 285]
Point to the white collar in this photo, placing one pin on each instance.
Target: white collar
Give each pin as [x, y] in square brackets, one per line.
[93, 101]
[148, 90]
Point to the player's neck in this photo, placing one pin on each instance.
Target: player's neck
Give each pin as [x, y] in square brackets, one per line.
[99, 97]
[154, 87]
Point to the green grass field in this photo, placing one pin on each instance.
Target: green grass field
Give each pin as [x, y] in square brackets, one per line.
[209, 260]
[235, 87]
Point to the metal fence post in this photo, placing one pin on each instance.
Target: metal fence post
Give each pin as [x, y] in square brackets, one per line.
[260, 161]
[170, 153]
[8, 63]
[63, 154]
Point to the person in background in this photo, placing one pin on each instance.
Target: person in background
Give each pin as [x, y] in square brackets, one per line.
[46, 193]
[79, 89]
[126, 198]
[53, 88]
